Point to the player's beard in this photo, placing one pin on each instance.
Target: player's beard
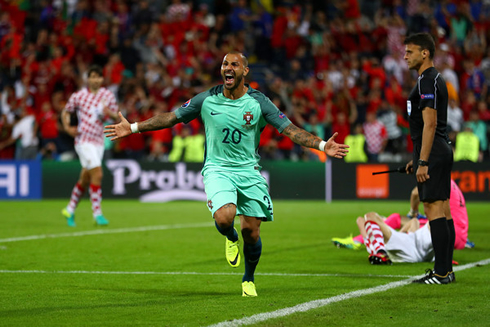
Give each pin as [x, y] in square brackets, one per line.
[236, 82]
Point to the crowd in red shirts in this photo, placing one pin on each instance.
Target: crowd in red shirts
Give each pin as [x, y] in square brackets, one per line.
[330, 66]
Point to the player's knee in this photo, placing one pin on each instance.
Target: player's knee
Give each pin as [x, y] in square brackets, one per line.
[371, 216]
[96, 176]
[225, 215]
[250, 235]
[223, 221]
[84, 181]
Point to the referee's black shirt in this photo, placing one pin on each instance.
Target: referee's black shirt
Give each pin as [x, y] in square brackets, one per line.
[430, 91]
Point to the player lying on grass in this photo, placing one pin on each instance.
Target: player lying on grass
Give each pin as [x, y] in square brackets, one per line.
[396, 221]
[384, 244]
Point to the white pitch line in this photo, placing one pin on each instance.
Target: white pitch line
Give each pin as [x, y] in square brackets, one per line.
[323, 302]
[105, 231]
[190, 273]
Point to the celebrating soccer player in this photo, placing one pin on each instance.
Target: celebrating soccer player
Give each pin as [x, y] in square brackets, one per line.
[234, 115]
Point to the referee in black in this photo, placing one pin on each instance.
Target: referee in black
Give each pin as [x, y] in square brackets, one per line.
[432, 154]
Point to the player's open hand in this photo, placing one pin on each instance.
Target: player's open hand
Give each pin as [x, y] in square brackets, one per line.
[334, 149]
[118, 131]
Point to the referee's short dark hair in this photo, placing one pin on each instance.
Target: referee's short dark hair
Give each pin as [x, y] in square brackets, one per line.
[424, 40]
[95, 69]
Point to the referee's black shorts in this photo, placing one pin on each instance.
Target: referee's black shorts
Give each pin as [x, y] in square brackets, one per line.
[438, 187]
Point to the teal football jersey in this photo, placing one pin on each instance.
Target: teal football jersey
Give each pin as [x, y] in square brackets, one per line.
[232, 127]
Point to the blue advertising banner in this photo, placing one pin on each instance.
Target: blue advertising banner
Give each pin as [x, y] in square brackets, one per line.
[20, 180]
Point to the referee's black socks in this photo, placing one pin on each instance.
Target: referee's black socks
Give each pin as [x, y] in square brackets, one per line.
[439, 232]
[452, 239]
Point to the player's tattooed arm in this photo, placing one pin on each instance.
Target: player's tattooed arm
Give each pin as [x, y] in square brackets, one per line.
[157, 122]
[123, 129]
[301, 137]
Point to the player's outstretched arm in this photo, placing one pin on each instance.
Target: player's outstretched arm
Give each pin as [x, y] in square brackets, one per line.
[118, 131]
[302, 137]
[123, 129]
[334, 149]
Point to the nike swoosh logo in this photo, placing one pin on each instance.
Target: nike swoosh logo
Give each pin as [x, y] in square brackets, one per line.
[235, 260]
[215, 113]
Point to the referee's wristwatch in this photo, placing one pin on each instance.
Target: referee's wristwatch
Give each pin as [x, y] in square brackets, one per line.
[422, 162]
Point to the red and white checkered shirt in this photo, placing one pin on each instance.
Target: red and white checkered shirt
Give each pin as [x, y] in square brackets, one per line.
[375, 136]
[90, 111]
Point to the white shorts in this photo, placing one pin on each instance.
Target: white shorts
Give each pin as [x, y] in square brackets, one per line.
[412, 247]
[90, 155]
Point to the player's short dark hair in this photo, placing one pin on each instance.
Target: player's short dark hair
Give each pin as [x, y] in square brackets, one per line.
[95, 69]
[424, 40]
[244, 58]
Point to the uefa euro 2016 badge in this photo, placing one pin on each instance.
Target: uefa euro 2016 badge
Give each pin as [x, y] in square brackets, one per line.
[186, 104]
[248, 117]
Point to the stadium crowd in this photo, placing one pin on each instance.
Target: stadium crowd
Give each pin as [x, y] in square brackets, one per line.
[330, 66]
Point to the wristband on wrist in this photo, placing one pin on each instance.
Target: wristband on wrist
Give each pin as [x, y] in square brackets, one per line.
[412, 213]
[134, 128]
[422, 162]
[321, 147]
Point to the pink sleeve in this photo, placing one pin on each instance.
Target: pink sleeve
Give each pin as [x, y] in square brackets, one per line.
[457, 204]
[394, 221]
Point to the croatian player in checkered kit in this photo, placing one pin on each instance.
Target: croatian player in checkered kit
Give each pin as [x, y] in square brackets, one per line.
[386, 245]
[406, 248]
[411, 243]
[432, 155]
[92, 105]
[234, 115]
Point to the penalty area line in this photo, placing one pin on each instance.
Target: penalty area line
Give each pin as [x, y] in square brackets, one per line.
[303, 307]
[105, 231]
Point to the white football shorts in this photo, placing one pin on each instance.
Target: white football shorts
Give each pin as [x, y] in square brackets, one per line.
[90, 155]
[412, 247]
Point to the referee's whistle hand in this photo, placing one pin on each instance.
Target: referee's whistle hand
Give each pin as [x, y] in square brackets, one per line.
[409, 167]
[422, 174]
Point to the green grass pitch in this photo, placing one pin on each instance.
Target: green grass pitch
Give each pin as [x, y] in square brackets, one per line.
[162, 264]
